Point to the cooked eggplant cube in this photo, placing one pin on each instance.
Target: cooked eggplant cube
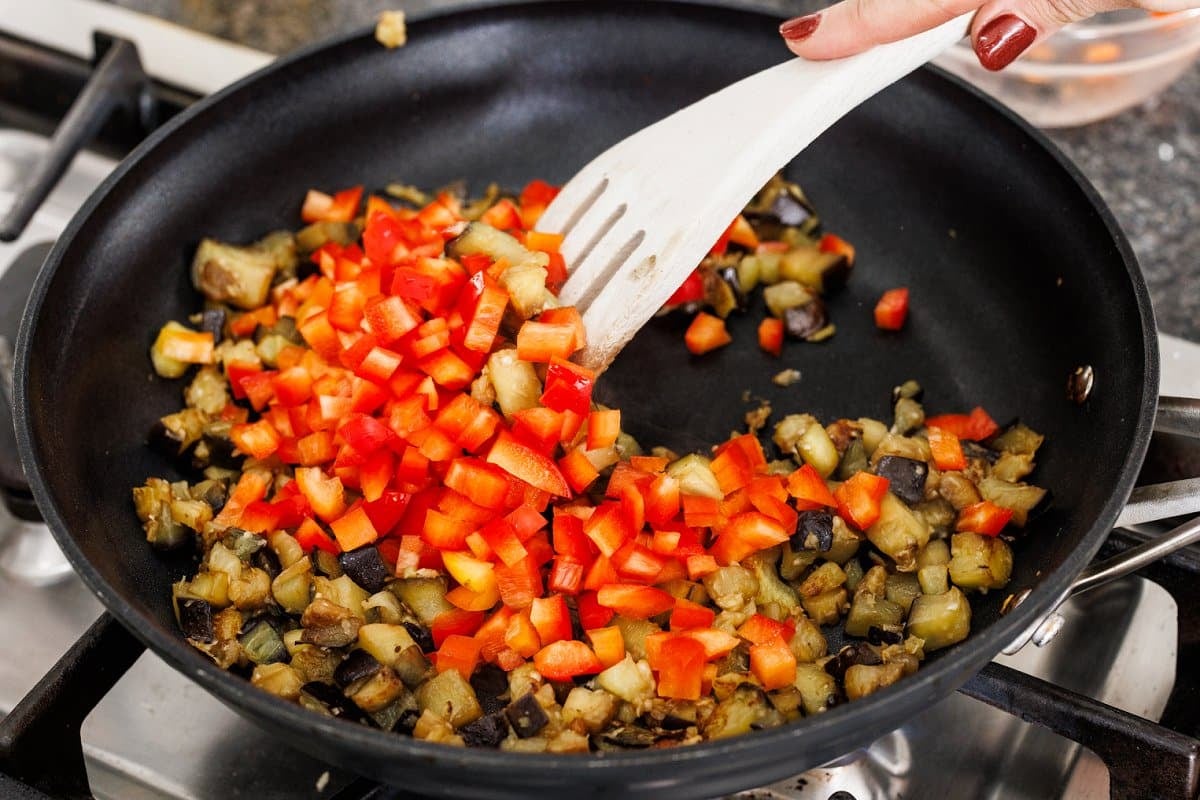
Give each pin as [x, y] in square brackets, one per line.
[366, 568]
[421, 636]
[196, 619]
[358, 665]
[906, 477]
[262, 644]
[213, 321]
[526, 716]
[490, 684]
[486, 731]
[814, 531]
[326, 699]
[803, 321]
[940, 619]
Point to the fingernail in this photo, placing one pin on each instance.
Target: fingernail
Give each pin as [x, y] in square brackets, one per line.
[1003, 39]
[798, 29]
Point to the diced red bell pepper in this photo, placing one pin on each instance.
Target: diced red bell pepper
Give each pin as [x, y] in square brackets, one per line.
[235, 371]
[539, 427]
[770, 336]
[310, 535]
[455, 623]
[542, 341]
[341, 207]
[258, 388]
[521, 636]
[519, 584]
[386, 512]
[985, 518]
[325, 494]
[525, 463]
[716, 643]
[681, 669]
[832, 243]
[973, 427]
[808, 488]
[662, 499]
[946, 449]
[761, 630]
[255, 439]
[604, 426]
[459, 653]
[551, 618]
[188, 346]
[700, 565]
[569, 538]
[591, 613]
[741, 232]
[634, 601]
[609, 528]
[503, 215]
[892, 309]
[577, 469]
[486, 485]
[444, 531]
[634, 562]
[538, 193]
[859, 498]
[745, 534]
[354, 529]
[389, 318]
[564, 660]
[732, 469]
[608, 644]
[482, 305]
[566, 575]
[568, 387]
[502, 539]
[686, 615]
[706, 333]
[690, 291]
[773, 664]
[701, 512]
[259, 517]
[491, 634]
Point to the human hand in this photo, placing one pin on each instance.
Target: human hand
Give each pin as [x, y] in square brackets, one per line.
[1000, 31]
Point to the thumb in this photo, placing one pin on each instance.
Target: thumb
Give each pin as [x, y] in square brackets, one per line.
[1004, 29]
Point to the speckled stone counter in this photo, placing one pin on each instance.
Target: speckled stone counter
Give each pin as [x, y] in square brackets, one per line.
[1145, 162]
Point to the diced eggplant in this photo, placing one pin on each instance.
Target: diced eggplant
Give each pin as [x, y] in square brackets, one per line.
[490, 684]
[326, 564]
[425, 597]
[1017, 438]
[808, 643]
[326, 699]
[515, 382]
[893, 444]
[802, 436]
[747, 709]
[910, 389]
[250, 591]
[594, 710]
[313, 236]
[826, 608]
[292, 588]
[345, 593]
[695, 476]
[262, 644]
[854, 459]
[958, 490]
[377, 692]
[449, 696]
[908, 415]
[212, 320]
[391, 717]
[632, 737]
[780, 205]
[163, 532]
[818, 689]
[825, 578]
[902, 588]
[906, 477]
[175, 433]
[854, 573]
[366, 568]
[731, 587]
[899, 533]
[212, 492]
[356, 666]
[421, 635]
[786, 295]
[279, 679]
[979, 562]
[239, 276]
[327, 624]
[719, 294]
[940, 619]
[195, 619]
[845, 542]
[487, 731]
[314, 663]
[814, 531]
[862, 680]
[802, 322]
[1012, 467]
[629, 680]
[879, 636]
[527, 716]
[242, 544]
[266, 560]
[974, 450]
[1024, 500]
[730, 276]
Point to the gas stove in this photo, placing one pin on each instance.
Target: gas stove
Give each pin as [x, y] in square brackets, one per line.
[1124, 662]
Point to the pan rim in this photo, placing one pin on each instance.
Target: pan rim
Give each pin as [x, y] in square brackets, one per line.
[940, 678]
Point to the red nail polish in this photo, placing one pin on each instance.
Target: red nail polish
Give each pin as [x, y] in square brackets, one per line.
[798, 29]
[1003, 39]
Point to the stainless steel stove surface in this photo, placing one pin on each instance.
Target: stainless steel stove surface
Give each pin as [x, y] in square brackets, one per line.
[158, 735]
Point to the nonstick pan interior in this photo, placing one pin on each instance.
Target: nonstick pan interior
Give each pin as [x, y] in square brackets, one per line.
[1017, 275]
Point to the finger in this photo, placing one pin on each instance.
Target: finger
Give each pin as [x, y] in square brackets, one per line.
[853, 26]
[1004, 29]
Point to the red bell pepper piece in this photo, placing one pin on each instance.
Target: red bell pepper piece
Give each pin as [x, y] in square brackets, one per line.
[566, 575]
[482, 305]
[747, 533]
[341, 207]
[946, 449]
[386, 512]
[690, 291]
[604, 426]
[637, 563]
[773, 664]
[984, 517]
[976, 426]
[491, 634]
[568, 387]
[543, 341]
[455, 623]
[681, 661]
[716, 643]
[608, 644]
[310, 536]
[808, 488]
[762, 630]
[770, 336]
[662, 499]
[636, 602]
[832, 243]
[564, 660]
[354, 529]
[551, 618]
[858, 499]
[255, 439]
[324, 494]
[486, 485]
[687, 614]
[521, 636]
[609, 528]
[519, 584]
[706, 333]
[569, 538]
[892, 309]
[522, 461]
[459, 653]
[591, 613]
[577, 469]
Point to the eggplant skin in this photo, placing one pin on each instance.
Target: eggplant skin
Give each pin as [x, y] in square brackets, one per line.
[366, 568]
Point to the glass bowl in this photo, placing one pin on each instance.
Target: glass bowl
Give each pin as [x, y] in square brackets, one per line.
[1089, 70]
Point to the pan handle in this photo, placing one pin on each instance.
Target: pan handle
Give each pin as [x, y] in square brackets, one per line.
[1176, 415]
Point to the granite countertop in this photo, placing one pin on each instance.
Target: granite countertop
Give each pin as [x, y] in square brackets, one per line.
[1145, 162]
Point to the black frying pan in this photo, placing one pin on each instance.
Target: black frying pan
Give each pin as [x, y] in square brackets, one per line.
[1018, 274]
